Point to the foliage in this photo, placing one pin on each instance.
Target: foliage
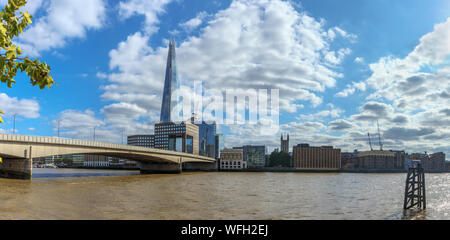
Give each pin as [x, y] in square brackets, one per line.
[279, 159]
[11, 26]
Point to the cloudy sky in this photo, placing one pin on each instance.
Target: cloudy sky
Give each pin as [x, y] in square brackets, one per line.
[339, 66]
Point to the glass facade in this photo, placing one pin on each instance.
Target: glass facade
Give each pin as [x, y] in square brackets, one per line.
[220, 144]
[254, 156]
[179, 144]
[189, 145]
[173, 136]
[171, 96]
[141, 140]
[207, 139]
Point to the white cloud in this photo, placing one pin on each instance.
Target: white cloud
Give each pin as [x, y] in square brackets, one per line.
[64, 20]
[101, 75]
[350, 89]
[150, 9]
[336, 58]
[319, 116]
[193, 23]
[23, 107]
[359, 60]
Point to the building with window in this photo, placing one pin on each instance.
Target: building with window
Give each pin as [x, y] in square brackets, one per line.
[95, 161]
[141, 140]
[177, 136]
[381, 160]
[325, 157]
[348, 159]
[431, 162]
[207, 138]
[254, 156]
[232, 159]
[220, 144]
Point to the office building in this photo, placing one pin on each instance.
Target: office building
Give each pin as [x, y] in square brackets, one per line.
[325, 157]
[348, 159]
[171, 98]
[141, 140]
[232, 159]
[177, 136]
[437, 161]
[431, 162]
[207, 138]
[77, 160]
[254, 156]
[95, 161]
[220, 144]
[380, 160]
[285, 144]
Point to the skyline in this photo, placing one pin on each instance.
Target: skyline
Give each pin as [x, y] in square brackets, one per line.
[333, 86]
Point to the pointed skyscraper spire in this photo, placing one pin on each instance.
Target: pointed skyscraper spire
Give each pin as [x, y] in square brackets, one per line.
[170, 98]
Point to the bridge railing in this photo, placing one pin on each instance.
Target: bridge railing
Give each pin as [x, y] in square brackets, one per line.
[82, 143]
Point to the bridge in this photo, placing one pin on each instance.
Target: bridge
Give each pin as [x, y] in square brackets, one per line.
[18, 151]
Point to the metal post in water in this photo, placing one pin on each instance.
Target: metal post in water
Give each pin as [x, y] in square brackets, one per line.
[415, 187]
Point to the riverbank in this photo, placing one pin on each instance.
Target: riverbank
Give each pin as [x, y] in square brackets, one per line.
[269, 169]
[281, 170]
[104, 168]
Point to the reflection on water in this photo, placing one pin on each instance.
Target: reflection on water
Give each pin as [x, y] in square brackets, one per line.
[219, 196]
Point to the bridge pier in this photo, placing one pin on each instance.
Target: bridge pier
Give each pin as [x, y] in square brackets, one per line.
[200, 166]
[16, 168]
[160, 168]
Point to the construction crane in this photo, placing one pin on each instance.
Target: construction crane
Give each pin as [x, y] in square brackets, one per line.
[370, 142]
[379, 137]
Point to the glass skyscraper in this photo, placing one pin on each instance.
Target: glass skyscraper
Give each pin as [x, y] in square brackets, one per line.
[207, 139]
[171, 96]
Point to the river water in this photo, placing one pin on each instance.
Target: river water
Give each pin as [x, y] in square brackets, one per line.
[62, 194]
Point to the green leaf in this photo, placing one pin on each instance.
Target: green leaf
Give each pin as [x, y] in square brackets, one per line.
[11, 52]
[27, 18]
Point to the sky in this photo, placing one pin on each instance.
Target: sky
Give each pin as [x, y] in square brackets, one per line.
[340, 66]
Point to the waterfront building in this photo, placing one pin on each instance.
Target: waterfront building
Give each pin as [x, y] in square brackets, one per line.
[348, 159]
[254, 156]
[325, 157]
[177, 136]
[268, 160]
[437, 161]
[116, 162]
[447, 166]
[141, 140]
[431, 162]
[207, 138]
[53, 159]
[220, 144]
[171, 98]
[380, 160]
[284, 144]
[95, 161]
[232, 159]
[77, 159]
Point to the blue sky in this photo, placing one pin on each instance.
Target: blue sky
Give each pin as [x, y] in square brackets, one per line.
[340, 66]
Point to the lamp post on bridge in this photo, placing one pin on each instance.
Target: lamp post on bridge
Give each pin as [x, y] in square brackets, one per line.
[122, 135]
[14, 123]
[59, 121]
[94, 132]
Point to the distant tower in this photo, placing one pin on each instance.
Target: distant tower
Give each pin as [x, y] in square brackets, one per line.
[285, 144]
[171, 87]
